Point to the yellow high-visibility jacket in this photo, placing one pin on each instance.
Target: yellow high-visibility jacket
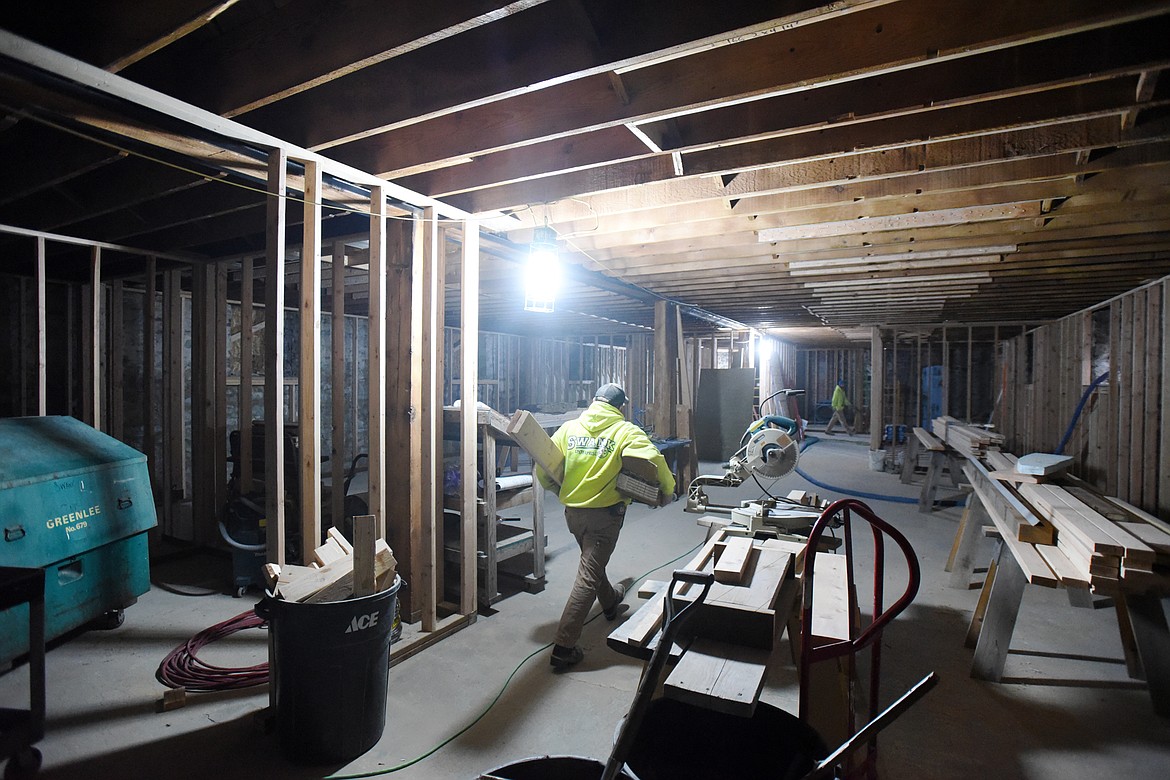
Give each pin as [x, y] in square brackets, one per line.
[840, 400]
[593, 446]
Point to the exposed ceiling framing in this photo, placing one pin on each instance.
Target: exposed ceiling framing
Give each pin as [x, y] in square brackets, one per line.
[782, 164]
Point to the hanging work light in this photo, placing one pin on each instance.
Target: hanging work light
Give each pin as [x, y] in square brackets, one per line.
[543, 275]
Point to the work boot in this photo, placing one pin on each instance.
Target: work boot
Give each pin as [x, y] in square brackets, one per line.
[564, 657]
[619, 590]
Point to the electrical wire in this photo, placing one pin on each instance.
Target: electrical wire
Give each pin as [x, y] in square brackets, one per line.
[182, 668]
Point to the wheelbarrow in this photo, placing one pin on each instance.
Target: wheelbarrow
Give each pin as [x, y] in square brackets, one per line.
[664, 739]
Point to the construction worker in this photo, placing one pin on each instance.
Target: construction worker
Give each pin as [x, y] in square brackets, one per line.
[593, 446]
[839, 402]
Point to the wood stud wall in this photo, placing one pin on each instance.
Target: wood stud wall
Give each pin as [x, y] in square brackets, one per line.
[1120, 441]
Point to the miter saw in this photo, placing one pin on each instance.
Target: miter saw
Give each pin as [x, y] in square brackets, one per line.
[769, 449]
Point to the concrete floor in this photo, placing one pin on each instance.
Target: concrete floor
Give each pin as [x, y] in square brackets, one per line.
[1067, 712]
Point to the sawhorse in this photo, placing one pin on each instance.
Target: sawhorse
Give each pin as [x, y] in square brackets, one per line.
[940, 460]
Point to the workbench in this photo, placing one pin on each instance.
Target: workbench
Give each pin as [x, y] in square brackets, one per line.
[20, 729]
[1064, 535]
[497, 541]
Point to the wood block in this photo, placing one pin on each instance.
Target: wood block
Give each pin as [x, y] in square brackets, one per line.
[733, 561]
[527, 432]
[720, 676]
[650, 588]
[342, 587]
[745, 611]
[173, 699]
[1043, 464]
[364, 530]
[339, 539]
[329, 552]
[1041, 533]
[830, 595]
[300, 583]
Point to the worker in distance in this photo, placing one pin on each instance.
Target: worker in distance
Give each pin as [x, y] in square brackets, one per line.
[839, 402]
[593, 446]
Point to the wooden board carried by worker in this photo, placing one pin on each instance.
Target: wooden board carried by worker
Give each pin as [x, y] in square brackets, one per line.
[638, 479]
[528, 433]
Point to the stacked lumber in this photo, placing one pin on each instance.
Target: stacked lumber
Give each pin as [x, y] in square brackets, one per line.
[741, 604]
[1112, 554]
[339, 570]
[964, 438]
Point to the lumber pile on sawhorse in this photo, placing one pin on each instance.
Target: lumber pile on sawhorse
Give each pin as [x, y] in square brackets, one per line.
[941, 462]
[1065, 535]
[964, 438]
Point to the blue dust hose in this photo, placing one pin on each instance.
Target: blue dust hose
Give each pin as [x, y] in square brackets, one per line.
[1072, 424]
[810, 441]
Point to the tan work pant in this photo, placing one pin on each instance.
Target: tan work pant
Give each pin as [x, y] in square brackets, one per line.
[596, 531]
[839, 417]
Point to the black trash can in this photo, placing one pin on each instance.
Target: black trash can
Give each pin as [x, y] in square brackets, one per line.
[678, 740]
[330, 663]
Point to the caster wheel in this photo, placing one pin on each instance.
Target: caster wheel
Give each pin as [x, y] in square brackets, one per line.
[24, 765]
[110, 620]
[241, 590]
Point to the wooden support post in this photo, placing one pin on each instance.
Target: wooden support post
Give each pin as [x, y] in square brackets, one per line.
[337, 383]
[175, 450]
[116, 398]
[404, 402]
[469, 374]
[42, 340]
[201, 391]
[1164, 408]
[219, 432]
[376, 368]
[92, 341]
[664, 373]
[310, 363]
[430, 531]
[999, 621]
[150, 376]
[274, 256]
[1148, 615]
[877, 377]
[247, 325]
